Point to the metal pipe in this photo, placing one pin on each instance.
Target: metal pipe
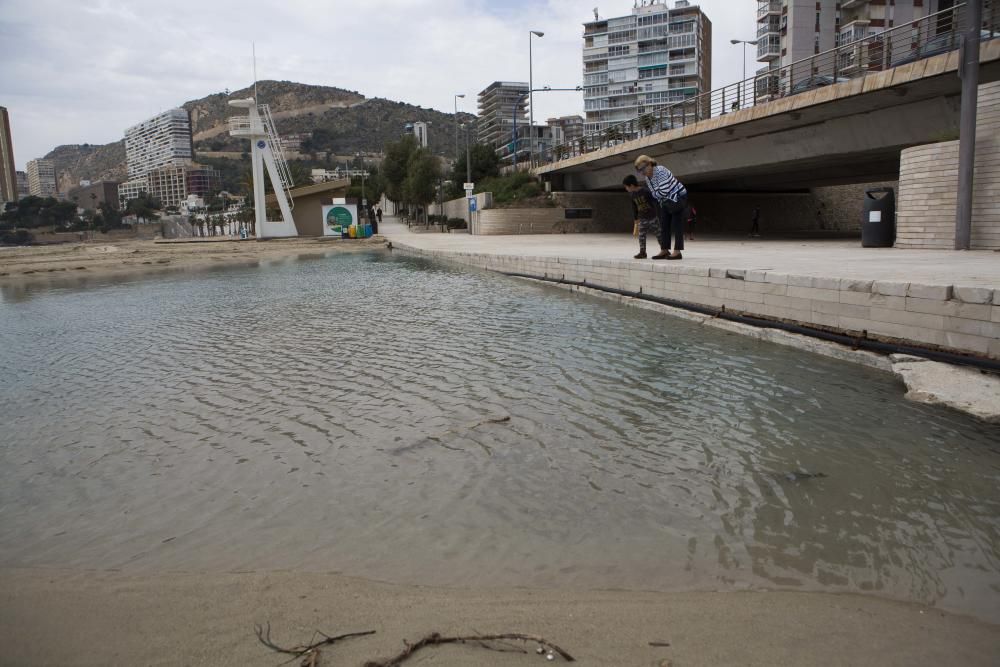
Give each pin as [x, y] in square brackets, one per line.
[969, 73]
[861, 342]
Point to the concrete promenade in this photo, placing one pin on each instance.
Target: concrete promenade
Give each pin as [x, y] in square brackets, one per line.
[938, 298]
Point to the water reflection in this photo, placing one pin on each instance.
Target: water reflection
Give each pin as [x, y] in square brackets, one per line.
[347, 414]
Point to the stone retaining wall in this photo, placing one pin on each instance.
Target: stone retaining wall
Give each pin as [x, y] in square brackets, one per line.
[928, 186]
[951, 317]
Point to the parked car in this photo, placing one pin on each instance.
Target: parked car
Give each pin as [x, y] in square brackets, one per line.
[817, 81]
[943, 43]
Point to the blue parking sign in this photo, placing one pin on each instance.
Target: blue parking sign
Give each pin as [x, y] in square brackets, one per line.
[472, 204]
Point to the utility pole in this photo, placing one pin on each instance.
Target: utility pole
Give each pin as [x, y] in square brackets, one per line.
[968, 71]
[531, 102]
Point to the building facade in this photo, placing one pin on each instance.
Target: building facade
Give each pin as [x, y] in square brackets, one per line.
[172, 185]
[8, 172]
[791, 30]
[42, 178]
[655, 56]
[419, 131]
[501, 105]
[94, 195]
[566, 128]
[161, 141]
[130, 190]
[22, 184]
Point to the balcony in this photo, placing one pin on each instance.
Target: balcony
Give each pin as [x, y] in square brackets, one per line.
[853, 4]
[769, 27]
[765, 7]
[769, 48]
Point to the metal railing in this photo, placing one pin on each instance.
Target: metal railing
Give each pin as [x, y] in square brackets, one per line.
[284, 174]
[928, 36]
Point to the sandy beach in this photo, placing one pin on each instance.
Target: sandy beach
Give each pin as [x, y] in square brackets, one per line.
[58, 617]
[79, 261]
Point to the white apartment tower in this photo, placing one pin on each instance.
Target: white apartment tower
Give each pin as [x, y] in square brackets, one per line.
[161, 141]
[42, 178]
[499, 104]
[655, 56]
[791, 30]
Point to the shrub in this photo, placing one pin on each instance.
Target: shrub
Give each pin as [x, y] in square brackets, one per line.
[17, 237]
[456, 223]
[511, 188]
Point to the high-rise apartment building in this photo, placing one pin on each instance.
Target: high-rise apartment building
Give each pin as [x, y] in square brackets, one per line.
[161, 141]
[42, 178]
[655, 56]
[790, 30]
[8, 172]
[22, 185]
[499, 104]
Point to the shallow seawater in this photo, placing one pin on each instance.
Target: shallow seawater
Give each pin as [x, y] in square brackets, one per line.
[342, 414]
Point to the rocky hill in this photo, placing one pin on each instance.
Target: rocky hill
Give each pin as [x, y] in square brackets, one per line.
[327, 121]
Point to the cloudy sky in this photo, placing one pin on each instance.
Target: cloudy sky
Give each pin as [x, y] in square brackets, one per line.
[81, 71]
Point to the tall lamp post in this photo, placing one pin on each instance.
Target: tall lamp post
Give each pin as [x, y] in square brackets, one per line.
[531, 100]
[457, 95]
[744, 42]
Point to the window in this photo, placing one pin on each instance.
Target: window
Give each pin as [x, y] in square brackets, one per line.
[652, 73]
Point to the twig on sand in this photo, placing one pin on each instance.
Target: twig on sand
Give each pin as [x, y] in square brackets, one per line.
[435, 639]
[308, 653]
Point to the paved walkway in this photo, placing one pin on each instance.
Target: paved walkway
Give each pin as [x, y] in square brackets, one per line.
[821, 258]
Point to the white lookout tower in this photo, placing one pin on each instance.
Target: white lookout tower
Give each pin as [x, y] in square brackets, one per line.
[258, 127]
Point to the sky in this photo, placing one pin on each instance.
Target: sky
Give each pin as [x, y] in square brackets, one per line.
[81, 71]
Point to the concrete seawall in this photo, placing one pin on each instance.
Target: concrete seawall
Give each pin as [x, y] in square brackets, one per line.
[956, 318]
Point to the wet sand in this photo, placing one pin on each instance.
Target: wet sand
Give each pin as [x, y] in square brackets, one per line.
[73, 261]
[61, 617]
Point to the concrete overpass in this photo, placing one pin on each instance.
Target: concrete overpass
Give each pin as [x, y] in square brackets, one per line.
[850, 132]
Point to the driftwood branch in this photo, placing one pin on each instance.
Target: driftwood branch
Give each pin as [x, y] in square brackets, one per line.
[435, 639]
[308, 653]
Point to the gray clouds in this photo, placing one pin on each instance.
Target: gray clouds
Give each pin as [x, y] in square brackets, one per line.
[81, 72]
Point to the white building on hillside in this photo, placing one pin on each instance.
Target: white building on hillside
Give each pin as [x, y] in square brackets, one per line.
[42, 178]
[161, 141]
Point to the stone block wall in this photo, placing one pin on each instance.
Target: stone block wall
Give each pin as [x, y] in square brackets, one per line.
[960, 318]
[928, 186]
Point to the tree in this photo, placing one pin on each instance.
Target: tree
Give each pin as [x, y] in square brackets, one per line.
[423, 174]
[396, 164]
[485, 164]
[143, 207]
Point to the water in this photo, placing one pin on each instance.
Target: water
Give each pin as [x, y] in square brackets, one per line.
[330, 414]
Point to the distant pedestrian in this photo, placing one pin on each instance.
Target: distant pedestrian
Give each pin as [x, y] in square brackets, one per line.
[692, 221]
[645, 213]
[755, 220]
[671, 195]
[378, 214]
[375, 220]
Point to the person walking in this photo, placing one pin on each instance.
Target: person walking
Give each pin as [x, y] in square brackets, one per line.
[671, 195]
[692, 221]
[755, 220]
[378, 213]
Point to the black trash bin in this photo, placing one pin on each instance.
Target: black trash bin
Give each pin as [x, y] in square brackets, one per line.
[878, 226]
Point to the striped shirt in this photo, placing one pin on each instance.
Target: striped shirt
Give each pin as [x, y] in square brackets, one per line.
[664, 185]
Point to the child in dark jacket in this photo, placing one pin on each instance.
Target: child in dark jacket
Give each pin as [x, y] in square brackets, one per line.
[645, 212]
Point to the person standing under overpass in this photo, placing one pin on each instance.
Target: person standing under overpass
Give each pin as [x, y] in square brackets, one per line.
[672, 196]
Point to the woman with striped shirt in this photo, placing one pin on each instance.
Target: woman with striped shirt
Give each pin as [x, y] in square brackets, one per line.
[672, 198]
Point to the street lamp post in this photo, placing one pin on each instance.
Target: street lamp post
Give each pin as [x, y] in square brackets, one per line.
[462, 95]
[468, 155]
[744, 42]
[531, 101]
